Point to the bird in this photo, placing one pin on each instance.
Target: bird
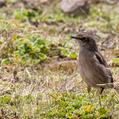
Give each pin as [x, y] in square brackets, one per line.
[93, 67]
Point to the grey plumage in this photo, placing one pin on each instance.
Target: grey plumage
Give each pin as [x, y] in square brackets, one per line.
[93, 67]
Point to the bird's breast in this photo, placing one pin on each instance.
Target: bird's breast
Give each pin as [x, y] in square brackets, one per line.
[89, 70]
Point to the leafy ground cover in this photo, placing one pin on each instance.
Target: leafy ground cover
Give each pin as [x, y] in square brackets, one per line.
[33, 43]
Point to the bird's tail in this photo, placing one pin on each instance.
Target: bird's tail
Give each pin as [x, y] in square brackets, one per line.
[114, 85]
[106, 85]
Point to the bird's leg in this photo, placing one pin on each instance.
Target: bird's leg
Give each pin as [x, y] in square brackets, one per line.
[100, 100]
[100, 96]
[89, 93]
[101, 90]
[88, 89]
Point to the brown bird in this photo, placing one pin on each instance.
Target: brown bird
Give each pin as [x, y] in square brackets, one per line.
[92, 65]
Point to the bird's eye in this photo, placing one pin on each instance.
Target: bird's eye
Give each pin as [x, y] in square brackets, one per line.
[84, 39]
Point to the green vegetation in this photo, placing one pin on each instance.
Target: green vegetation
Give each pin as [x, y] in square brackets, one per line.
[25, 99]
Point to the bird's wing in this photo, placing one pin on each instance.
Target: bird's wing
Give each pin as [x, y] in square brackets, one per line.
[100, 59]
[103, 65]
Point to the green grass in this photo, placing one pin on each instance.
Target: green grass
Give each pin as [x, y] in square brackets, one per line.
[39, 96]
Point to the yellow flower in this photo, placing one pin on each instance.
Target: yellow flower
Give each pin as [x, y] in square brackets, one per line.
[88, 108]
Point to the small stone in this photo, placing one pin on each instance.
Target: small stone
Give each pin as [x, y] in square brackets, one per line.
[75, 7]
[2, 3]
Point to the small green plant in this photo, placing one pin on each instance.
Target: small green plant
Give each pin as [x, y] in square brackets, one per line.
[25, 14]
[5, 100]
[71, 105]
[33, 49]
[65, 52]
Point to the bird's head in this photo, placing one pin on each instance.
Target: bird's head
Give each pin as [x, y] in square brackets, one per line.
[85, 40]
